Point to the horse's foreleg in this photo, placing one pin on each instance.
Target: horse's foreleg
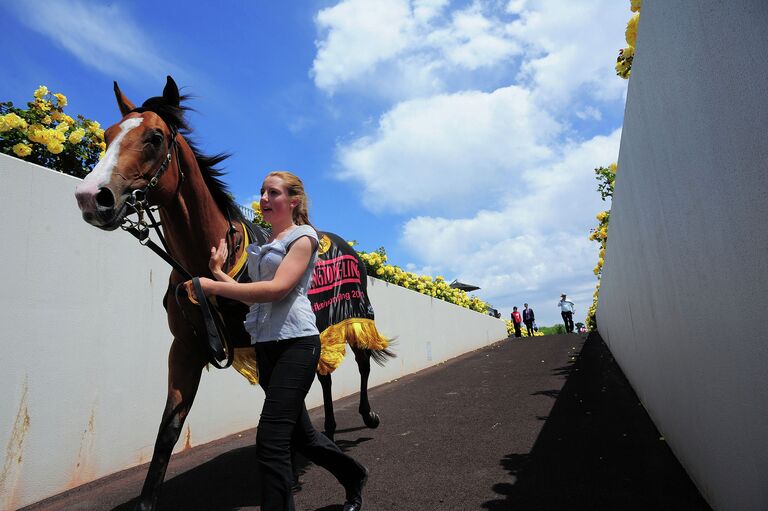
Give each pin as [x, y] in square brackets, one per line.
[330, 419]
[184, 368]
[363, 359]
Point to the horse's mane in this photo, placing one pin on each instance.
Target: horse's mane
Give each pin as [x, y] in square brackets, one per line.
[173, 116]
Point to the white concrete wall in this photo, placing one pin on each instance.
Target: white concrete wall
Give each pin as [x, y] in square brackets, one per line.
[683, 299]
[84, 345]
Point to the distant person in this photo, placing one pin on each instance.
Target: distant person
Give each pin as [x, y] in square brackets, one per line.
[566, 311]
[516, 320]
[528, 319]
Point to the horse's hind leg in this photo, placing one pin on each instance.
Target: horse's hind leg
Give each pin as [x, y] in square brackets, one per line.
[330, 418]
[363, 359]
[184, 368]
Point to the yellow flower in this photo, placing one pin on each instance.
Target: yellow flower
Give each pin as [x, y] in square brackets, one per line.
[76, 136]
[55, 147]
[61, 99]
[41, 91]
[103, 146]
[46, 120]
[22, 150]
[601, 216]
[34, 133]
[43, 105]
[631, 32]
[612, 167]
[62, 127]
[101, 154]
[636, 5]
[11, 121]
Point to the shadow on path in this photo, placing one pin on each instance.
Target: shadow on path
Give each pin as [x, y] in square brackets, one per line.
[598, 450]
[226, 482]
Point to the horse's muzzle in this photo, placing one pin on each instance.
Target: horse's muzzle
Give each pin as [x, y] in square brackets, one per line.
[100, 207]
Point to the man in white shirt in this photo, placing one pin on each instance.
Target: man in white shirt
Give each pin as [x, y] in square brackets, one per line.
[566, 311]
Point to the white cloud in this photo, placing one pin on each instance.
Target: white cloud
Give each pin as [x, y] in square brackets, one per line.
[571, 44]
[448, 152]
[359, 34]
[101, 36]
[498, 180]
[376, 47]
[535, 243]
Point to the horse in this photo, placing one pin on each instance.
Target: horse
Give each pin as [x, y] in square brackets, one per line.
[150, 162]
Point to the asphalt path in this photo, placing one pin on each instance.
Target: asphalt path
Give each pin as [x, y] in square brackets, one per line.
[544, 423]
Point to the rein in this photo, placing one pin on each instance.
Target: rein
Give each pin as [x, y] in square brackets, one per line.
[221, 352]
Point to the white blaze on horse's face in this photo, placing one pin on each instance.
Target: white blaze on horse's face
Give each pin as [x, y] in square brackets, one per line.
[102, 172]
[101, 177]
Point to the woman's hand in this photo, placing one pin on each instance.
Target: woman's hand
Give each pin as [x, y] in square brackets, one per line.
[205, 283]
[218, 257]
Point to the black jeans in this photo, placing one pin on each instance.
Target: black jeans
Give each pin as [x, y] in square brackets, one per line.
[286, 372]
[517, 329]
[568, 320]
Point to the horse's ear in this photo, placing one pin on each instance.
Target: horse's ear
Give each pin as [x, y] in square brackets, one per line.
[123, 103]
[171, 92]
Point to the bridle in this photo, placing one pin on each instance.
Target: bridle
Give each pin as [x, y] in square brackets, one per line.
[138, 201]
[219, 347]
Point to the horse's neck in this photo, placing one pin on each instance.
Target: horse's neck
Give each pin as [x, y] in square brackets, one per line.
[193, 222]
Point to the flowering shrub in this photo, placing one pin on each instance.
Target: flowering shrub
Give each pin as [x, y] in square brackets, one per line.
[627, 55]
[606, 177]
[375, 264]
[45, 135]
[258, 218]
[511, 329]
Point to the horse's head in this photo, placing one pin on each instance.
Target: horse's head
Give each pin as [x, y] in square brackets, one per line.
[138, 161]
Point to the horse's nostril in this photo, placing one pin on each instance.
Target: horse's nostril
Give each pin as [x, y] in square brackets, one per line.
[105, 199]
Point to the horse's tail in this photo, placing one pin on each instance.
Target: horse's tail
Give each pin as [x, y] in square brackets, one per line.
[382, 356]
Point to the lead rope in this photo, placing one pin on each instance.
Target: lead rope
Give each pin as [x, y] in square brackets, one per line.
[219, 345]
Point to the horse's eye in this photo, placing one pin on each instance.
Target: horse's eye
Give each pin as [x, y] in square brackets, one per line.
[156, 139]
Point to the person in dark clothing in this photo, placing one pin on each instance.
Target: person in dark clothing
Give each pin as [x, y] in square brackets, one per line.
[284, 333]
[516, 320]
[528, 319]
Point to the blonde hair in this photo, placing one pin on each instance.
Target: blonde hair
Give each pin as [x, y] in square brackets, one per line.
[295, 188]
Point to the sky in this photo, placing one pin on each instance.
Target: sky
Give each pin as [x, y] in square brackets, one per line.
[461, 136]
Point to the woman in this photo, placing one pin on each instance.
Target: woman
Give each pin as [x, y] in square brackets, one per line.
[282, 327]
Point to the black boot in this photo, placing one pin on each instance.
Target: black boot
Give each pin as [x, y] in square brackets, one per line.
[354, 491]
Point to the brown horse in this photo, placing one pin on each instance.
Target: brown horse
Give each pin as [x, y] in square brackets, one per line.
[149, 162]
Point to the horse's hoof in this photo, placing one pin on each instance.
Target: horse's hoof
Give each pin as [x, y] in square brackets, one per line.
[372, 420]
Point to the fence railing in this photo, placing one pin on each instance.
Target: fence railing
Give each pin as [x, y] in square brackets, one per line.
[247, 212]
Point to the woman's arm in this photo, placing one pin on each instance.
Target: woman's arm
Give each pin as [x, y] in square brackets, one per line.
[289, 272]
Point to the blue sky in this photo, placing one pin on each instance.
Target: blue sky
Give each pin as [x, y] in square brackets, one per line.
[461, 136]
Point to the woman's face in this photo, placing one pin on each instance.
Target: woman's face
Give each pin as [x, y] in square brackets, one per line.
[276, 205]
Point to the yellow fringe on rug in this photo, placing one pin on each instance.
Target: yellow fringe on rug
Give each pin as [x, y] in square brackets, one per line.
[358, 332]
[245, 364]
